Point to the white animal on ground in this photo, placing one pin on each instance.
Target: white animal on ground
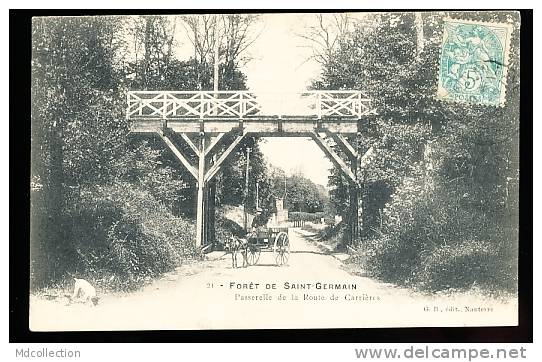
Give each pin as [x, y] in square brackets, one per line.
[83, 292]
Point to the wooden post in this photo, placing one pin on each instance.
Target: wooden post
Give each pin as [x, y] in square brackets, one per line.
[215, 65]
[334, 157]
[418, 24]
[205, 237]
[200, 209]
[361, 178]
[354, 203]
[319, 105]
[360, 173]
[211, 238]
[246, 191]
[257, 187]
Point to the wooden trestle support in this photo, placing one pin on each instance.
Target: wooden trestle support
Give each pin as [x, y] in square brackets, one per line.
[212, 125]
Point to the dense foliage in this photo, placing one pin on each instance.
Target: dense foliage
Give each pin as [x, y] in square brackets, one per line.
[314, 217]
[440, 199]
[107, 204]
[122, 231]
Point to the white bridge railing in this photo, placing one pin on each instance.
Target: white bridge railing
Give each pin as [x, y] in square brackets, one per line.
[242, 104]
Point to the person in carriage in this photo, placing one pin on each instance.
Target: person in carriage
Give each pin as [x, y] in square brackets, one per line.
[259, 222]
[258, 225]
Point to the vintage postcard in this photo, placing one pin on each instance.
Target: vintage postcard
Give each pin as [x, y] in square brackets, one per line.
[275, 171]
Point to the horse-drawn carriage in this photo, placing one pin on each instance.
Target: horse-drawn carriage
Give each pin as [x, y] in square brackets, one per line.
[271, 239]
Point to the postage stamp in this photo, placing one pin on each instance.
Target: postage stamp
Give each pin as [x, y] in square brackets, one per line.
[474, 61]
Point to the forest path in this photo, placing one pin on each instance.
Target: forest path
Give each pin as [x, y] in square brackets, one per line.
[213, 295]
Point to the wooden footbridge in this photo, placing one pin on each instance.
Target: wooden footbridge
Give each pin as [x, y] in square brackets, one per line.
[213, 123]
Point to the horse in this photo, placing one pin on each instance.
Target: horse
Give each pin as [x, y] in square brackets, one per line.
[236, 245]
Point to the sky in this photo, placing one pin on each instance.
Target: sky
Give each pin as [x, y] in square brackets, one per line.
[279, 67]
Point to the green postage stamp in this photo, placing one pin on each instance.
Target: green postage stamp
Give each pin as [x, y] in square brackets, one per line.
[474, 61]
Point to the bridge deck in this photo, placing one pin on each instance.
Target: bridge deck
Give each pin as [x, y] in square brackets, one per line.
[262, 125]
[224, 111]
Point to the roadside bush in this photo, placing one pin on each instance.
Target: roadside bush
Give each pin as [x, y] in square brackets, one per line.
[457, 266]
[434, 240]
[333, 232]
[225, 228]
[305, 216]
[122, 232]
[337, 236]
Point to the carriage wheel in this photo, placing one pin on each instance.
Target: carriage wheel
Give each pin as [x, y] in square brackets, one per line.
[253, 254]
[281, 248]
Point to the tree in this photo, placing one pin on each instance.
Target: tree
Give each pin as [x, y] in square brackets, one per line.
[231, 181]
[385, 72]
[238, 36]
[76, 123]
[153, 39]
[85, 162]
[324, 35]
[451, 200]
[302, 194]
[82, 153]
[229, 35]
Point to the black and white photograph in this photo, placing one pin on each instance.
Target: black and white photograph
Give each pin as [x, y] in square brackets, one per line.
[273, 170]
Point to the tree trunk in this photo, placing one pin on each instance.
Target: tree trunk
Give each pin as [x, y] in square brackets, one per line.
[148, 27]
[55, 248]
[211, 238]
[420, 43]
[429, 166]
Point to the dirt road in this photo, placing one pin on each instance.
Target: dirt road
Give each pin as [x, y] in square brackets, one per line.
[213, 295]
